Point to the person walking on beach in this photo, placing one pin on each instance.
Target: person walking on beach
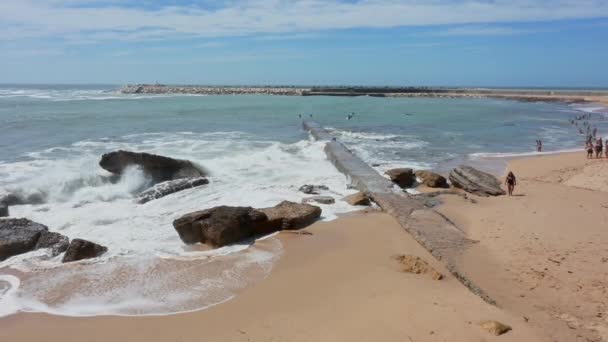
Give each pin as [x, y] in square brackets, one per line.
[511, 182]
[589, 148]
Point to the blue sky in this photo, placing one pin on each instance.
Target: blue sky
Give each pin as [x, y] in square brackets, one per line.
[367, 42]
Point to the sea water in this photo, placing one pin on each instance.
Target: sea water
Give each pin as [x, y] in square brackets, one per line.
[256, 153]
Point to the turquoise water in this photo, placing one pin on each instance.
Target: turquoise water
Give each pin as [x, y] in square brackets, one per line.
[423, 130]
[257, 155]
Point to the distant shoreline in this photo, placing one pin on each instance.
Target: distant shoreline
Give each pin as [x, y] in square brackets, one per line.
[528, 95]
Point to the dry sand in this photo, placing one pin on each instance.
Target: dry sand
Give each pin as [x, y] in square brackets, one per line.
[339, 284]
[544, 252]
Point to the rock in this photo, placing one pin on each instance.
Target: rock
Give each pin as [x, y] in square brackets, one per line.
[169, 187]
[320, 199]
[19, 236]
[357, 199]
[494, 327]
[416, 265]
[220, 226]
[313, 189]
[475, 181]
[22, 199]
[160, 168]
[56, 242]
[431, 179]
[290, 215]
[3, 210]
[403, 177]
[82, 249]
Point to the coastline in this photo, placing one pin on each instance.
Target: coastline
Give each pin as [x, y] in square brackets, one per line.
[537, 255]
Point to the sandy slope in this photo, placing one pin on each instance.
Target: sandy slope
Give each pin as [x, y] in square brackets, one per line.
[544, 252]
[339, 284]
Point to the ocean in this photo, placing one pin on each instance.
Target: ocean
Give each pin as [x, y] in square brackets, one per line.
[257, 155]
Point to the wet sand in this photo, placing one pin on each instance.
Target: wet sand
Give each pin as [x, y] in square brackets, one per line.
[339, 284]
[543, 253]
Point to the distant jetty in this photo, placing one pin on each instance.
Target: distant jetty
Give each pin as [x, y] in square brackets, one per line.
[209, 90]
[531, 95]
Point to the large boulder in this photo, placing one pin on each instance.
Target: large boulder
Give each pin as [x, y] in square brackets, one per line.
[220, 226]
[169, 187]
[432, 179]
[476, 182]
[404, 177]
[310, 189]
[18, 236]
[358, 199]
[82, 249]
[3, 210]
[291, 215]
[159, 168]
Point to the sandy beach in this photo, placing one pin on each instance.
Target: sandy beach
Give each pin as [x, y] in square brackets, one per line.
[542, 253]
[541, 256]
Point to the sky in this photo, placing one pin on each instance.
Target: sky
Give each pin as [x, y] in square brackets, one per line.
[558, 43]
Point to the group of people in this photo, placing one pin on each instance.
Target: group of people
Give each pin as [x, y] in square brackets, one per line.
[598, 148]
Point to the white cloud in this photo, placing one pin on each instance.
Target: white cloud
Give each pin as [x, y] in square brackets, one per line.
[109, 20]
[486, 31]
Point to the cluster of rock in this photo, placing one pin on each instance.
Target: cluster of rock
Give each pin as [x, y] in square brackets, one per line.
[18, 236]
[224, 225]
[201, 90]
[407, 178]
[466, 178]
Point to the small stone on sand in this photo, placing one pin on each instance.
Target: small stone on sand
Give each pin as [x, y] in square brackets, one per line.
[494, 327]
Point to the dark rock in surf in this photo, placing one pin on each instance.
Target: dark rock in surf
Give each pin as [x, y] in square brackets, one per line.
[220, 226]
[18, 236]
[432, 180]
[159, 168]
[476, 182]
[290, 215]
[169, 187]
[55, 242]
[320, 199]
[22, 199]
[404, 177]
[82, 249]
[313, 189]
[3, 210]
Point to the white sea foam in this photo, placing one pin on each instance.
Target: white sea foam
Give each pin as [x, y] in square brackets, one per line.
[67, 95]
[82, 203]
[519, 154]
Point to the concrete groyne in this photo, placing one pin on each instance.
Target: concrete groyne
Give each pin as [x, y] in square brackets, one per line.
[432, 230]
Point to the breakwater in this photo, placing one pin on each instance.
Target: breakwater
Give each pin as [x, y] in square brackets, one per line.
[429, 228]
[532, 95]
